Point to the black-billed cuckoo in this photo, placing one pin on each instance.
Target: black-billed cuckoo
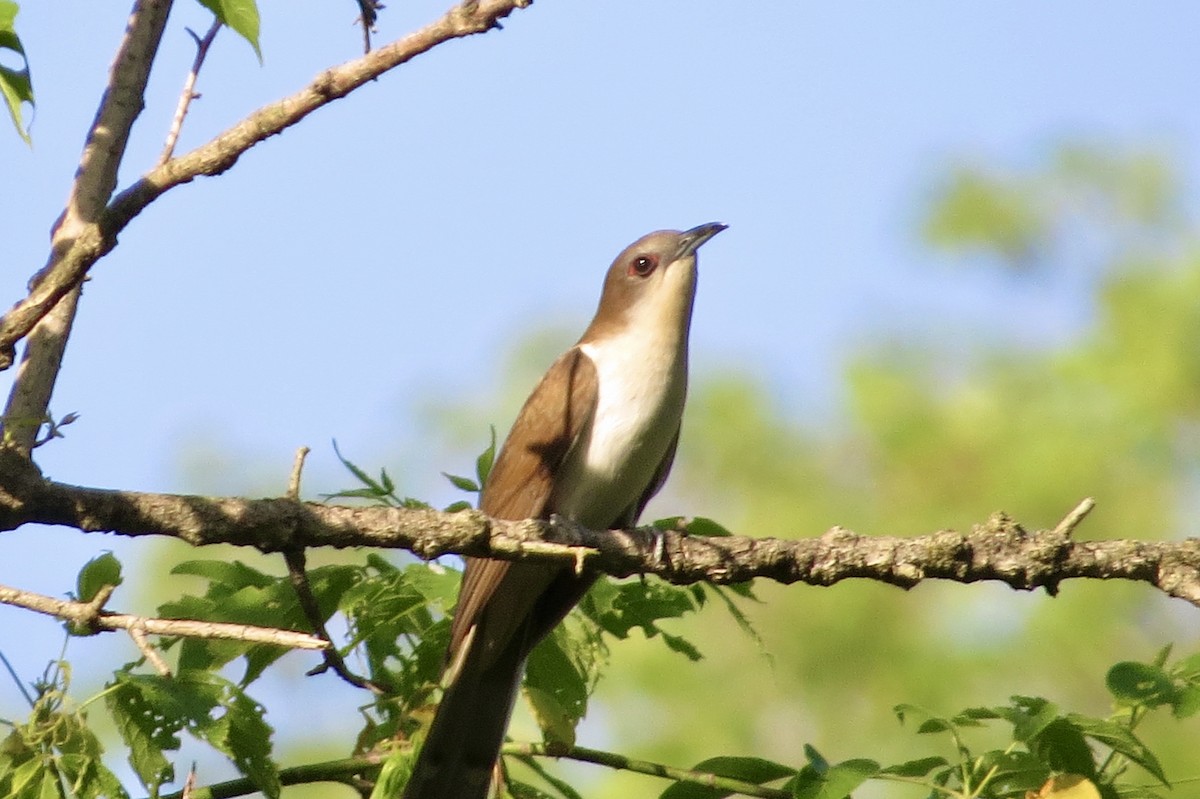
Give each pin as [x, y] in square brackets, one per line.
[593, 443]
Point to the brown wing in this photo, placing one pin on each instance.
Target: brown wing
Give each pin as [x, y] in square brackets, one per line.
[519, 487]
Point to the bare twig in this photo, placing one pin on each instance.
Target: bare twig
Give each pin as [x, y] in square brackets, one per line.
[189, 90]
[88, 242]
[297, 573]
[1077, 515]
[368, 13]
[295, 560]
[293, 490]
[90, 616]
[138, 634]
[189, 785]
[47, 314]
[54, 429]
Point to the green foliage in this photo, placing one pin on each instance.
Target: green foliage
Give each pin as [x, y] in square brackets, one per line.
[151, 710]
[1044, 741]
[239, 15]
[15, 84]
[1020, 218]
[98, 573]
[55, 753]
[977, 212]
[747, 769]
[935, 430]
[820, 780]
[932, 436]
[483, 467]
[381, 491]
[1046, 750]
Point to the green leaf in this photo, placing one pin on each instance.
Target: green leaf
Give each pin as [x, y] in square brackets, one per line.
[1188, 668]
[147, 727]
[55, 749]
[390, 613]
[677, 643]
[1011, 773]
[354, 493]
[1061, 746]
[375, 489]
[462, 483]
[558, 677]
[96, 574]
[241, 16]
[1140, 684]
[931, 722]
[915, 768]
[636, 604]
[815, 759]
[692, 525]
[394, 774]
[244, 735]
[153, 710]
[1030, 716]
[1187, 702]
[982, 714]
[1121, 740]
[483, 464]
[747, 769]
[239, 594]
[834, 782]
[555, 722]
[699, 525]
[232, 575]
[15, 84]
[49, 787]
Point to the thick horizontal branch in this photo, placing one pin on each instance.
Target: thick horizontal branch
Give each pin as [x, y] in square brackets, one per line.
[69, 264]
[999, 549]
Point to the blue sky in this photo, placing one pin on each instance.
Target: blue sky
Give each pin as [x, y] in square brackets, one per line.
[397, 244]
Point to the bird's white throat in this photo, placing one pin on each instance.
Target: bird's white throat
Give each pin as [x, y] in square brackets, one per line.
[642, 384]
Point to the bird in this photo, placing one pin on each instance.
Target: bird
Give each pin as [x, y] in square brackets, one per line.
[593, 443]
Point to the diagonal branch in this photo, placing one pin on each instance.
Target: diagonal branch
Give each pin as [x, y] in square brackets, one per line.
[999, 549]
[97, 234]
[49, 311]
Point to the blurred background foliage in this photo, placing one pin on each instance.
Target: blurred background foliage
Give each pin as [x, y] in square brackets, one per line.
[931, 432]
[938, 434]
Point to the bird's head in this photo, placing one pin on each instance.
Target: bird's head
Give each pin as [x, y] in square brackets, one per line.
[652, 281]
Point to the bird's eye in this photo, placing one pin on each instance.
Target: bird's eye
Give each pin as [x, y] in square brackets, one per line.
[643, 265]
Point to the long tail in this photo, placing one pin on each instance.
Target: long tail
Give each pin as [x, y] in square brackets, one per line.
[460, 751]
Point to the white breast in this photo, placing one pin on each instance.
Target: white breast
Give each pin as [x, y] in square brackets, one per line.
[642, 385]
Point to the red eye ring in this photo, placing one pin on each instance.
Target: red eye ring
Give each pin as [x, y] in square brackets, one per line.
[642, 265]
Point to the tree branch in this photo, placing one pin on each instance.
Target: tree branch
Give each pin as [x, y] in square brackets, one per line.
[90, 615]
[189, 89]
[999, 549]
[618, 762]
[97, 234]
[342, 770]
[49, 310]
